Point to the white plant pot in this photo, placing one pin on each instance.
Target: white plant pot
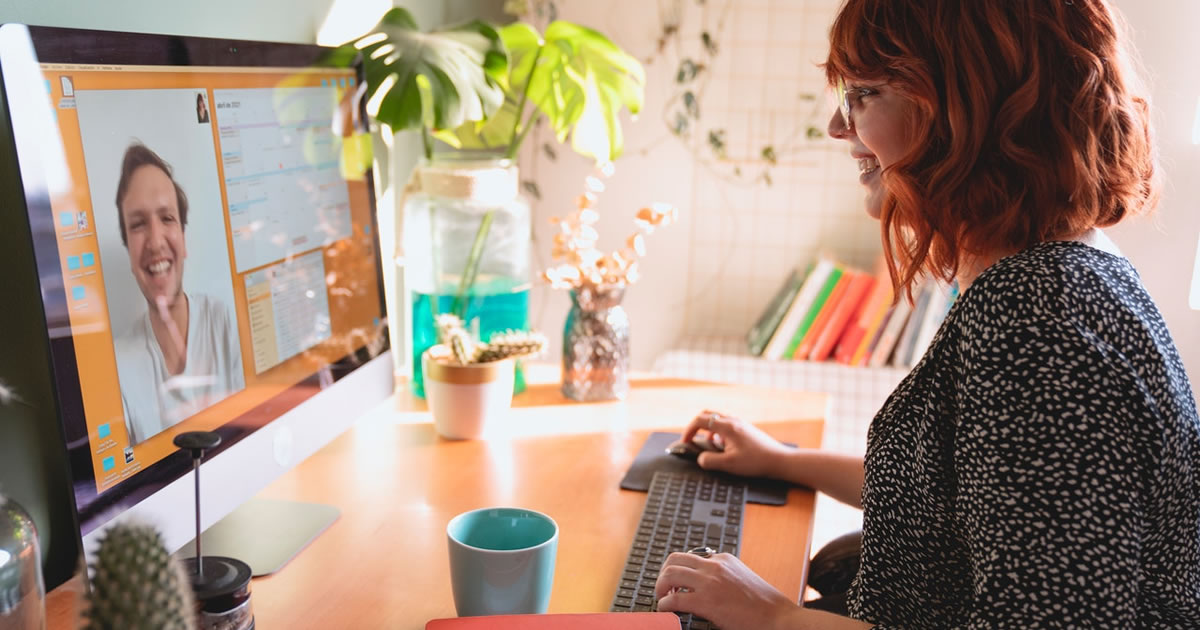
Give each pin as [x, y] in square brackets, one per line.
[466, 399]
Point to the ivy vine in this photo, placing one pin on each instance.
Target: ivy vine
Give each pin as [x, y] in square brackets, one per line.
[683, 113]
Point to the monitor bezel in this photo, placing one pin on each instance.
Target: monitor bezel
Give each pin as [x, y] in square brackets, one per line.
[55, 45]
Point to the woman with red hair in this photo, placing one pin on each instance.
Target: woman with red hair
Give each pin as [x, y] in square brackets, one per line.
[1040, 466]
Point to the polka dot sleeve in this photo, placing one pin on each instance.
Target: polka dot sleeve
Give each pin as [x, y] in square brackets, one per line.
[1050, 455]
[1040, 466]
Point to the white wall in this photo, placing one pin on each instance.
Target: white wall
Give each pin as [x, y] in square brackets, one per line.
[1163, 248]
[715, 271]
[737, 239]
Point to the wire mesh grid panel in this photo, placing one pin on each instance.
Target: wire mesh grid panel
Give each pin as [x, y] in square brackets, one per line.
[771, 190]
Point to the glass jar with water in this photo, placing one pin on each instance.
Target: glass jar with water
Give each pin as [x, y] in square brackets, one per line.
[466, 248]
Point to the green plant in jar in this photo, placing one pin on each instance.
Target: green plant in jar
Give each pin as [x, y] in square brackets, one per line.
[466, 229]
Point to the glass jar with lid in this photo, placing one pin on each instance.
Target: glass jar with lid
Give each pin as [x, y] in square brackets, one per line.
[466, 250]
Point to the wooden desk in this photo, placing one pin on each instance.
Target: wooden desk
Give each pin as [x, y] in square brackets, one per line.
[383, 564]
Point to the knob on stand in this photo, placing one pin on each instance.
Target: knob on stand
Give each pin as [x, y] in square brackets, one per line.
[221, 584]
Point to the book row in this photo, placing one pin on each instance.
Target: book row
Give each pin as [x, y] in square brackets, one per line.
[830, 310]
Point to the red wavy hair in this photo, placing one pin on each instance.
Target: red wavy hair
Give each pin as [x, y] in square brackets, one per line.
[1028, 128]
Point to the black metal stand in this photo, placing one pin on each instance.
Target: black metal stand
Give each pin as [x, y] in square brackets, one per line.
[221, 584]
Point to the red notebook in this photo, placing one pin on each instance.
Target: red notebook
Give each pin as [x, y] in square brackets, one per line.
[590, 621]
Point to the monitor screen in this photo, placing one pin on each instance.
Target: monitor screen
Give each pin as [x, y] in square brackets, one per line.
[212, 261]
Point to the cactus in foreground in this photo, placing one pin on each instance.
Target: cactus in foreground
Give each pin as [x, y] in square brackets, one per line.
[137, 585]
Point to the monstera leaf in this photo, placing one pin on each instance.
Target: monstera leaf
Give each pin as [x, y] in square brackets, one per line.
[437, 80]
[500, 129]
[581, 82]
[575, 77]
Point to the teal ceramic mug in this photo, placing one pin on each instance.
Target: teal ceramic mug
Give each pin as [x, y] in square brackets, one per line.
[502, 561]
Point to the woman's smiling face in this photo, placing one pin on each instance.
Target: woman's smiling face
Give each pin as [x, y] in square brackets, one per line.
[879, 132]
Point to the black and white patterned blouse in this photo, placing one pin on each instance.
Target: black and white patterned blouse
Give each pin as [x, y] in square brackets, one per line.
[1040, 467]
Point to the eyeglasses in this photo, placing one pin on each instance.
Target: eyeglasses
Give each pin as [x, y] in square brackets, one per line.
[845, 96]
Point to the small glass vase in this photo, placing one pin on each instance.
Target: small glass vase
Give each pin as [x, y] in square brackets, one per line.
[22, 592]
[595, 363]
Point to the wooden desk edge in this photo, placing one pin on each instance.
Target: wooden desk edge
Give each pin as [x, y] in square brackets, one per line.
[65, 603]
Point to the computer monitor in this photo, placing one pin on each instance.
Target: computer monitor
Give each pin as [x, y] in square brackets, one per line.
[206, 259]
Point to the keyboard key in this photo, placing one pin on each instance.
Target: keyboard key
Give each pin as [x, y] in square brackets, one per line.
[682, 511]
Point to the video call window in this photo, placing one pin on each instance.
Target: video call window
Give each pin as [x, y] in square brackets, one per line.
[216, 224]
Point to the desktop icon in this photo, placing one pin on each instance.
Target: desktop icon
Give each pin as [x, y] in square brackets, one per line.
[89, 259]
[78, 293]
[66, 219]
[72, 262]
[103, 431]
[108, 463]
[68, 86]
[81, 221]
[128, 454]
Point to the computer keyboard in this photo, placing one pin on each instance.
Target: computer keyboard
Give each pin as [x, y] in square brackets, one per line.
[683, 511]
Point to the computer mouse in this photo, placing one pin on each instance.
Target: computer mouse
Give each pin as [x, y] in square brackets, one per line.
[691, 450]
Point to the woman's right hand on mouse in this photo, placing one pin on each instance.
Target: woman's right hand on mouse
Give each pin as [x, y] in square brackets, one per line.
[748, 450]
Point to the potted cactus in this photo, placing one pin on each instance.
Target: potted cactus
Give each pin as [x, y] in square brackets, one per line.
[469, 384]
[137, 584]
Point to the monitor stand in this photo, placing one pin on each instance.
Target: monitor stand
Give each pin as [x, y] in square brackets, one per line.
[264, 533]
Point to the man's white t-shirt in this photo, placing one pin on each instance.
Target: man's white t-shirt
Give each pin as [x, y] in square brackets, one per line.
[154, 400]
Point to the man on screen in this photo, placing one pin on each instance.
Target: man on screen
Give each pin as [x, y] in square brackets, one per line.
[182, 355]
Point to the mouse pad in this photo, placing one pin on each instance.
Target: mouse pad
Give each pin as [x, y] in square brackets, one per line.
[653, 457]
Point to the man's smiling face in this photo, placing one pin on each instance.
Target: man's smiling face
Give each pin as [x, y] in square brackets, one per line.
[154, 234]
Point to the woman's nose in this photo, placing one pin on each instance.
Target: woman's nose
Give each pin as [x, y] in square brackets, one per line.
[837, 126]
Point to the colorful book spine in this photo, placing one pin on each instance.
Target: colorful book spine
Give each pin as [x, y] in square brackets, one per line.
[760, 334]
[890, 333]
[871, 332]
[831, 283]
[799, 307]
[864, 321]
[935, 314]
[908, 337]
[859, 285]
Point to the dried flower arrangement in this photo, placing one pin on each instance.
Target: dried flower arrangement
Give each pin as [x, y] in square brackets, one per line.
[464, 350]
[580, 263]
